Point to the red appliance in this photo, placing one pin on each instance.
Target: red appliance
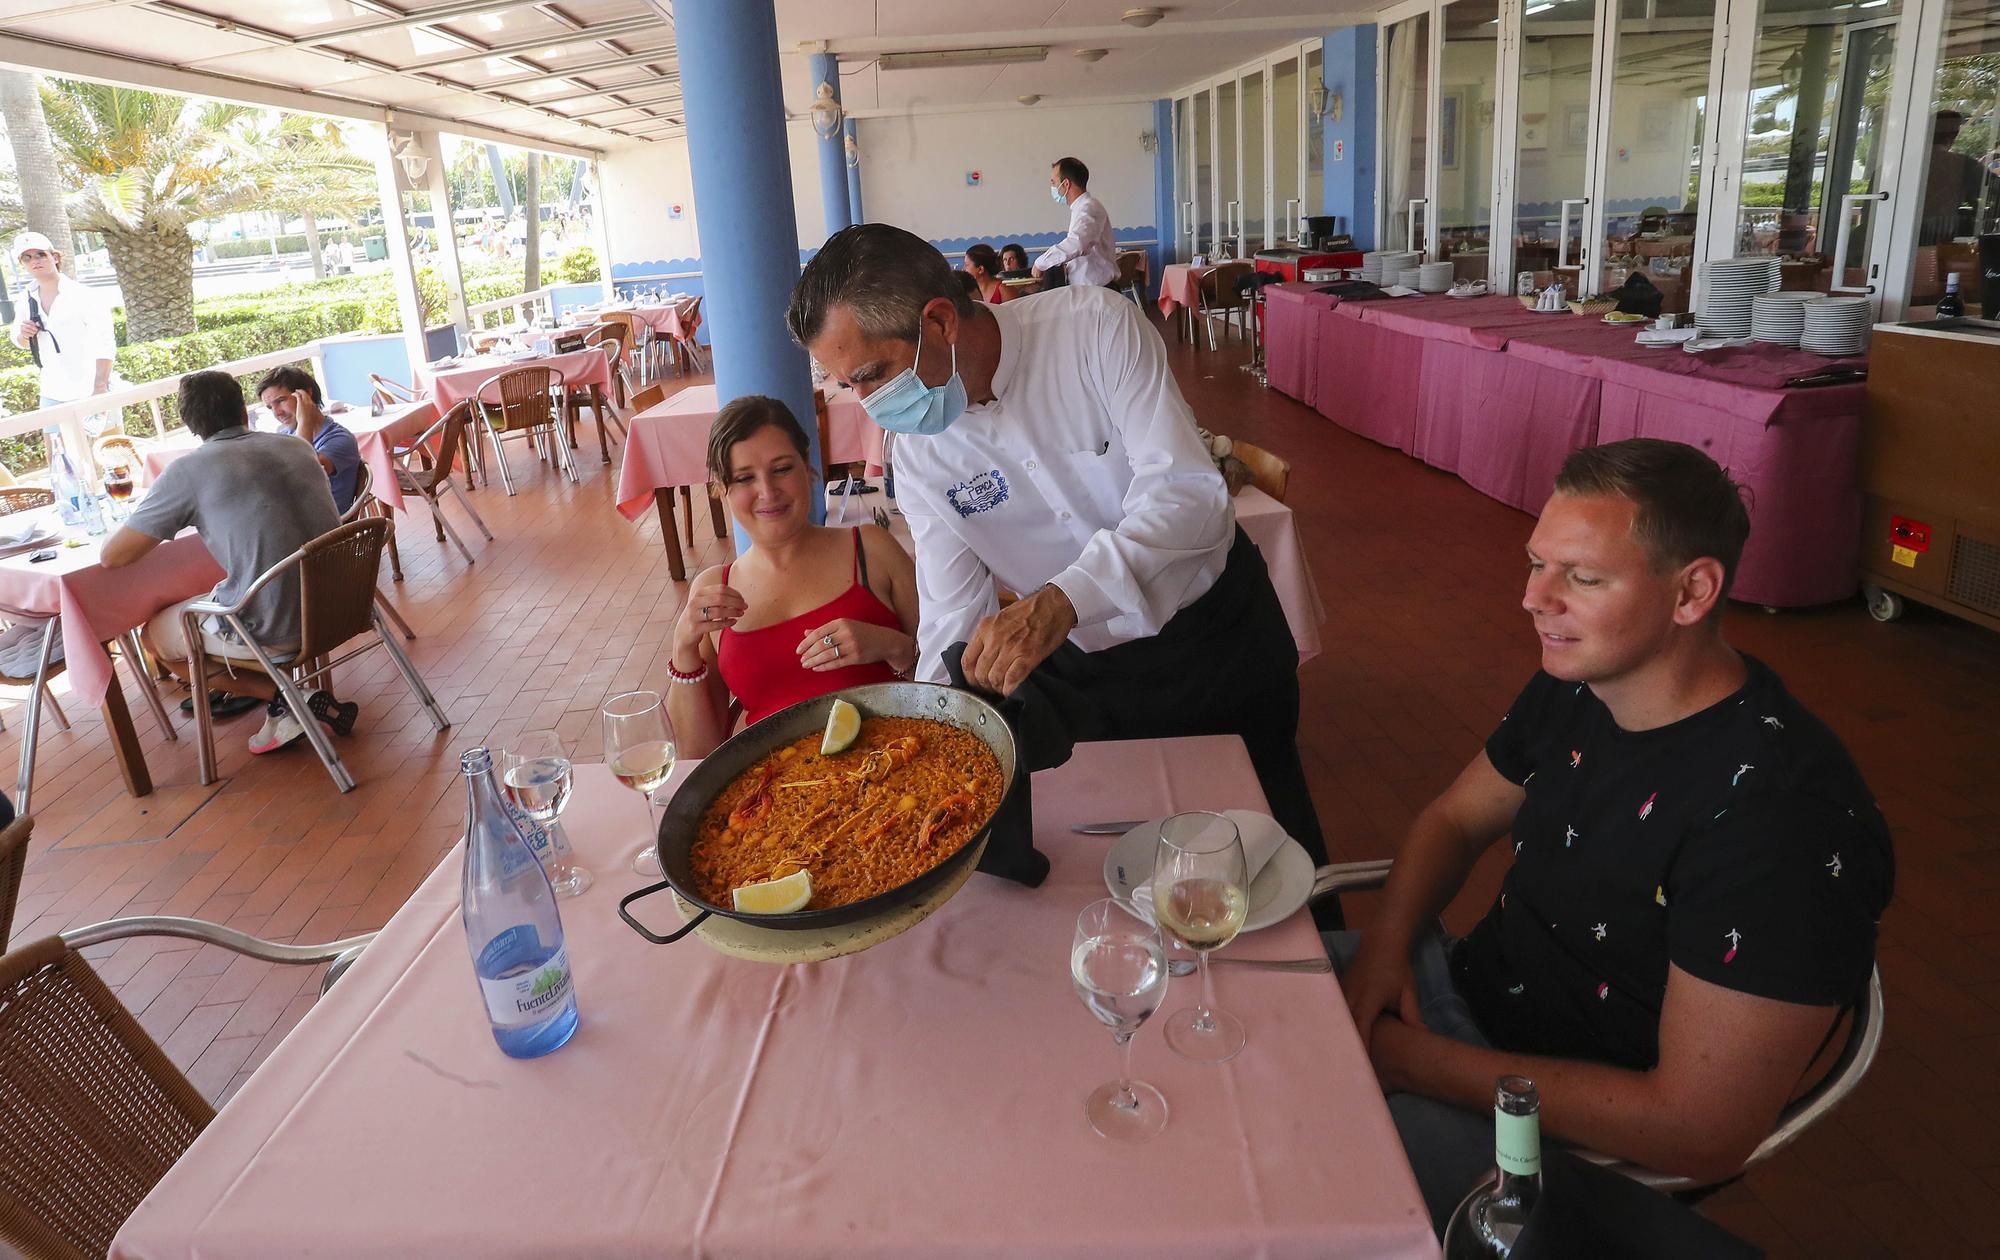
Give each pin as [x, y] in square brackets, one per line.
[1292, 264]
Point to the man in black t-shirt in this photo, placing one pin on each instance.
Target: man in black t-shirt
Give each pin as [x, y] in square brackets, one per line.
[1698, 866]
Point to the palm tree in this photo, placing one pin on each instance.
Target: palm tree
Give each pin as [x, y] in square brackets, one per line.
[39, 180]
[304, 167]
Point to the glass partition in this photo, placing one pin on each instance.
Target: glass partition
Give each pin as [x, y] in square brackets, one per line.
[1315, 190]
[1229, 198]
[1255, 213]
[1286, 112]
[1468, 87]
[1204, 172]
[1405, 119]
[1551, 171]
[1959, 178]
[1183, 181]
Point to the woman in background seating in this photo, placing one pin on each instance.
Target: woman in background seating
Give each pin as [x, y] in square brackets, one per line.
[982, 263]
[1014, 257]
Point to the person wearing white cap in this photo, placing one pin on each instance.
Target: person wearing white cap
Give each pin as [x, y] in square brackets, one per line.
[63, 323]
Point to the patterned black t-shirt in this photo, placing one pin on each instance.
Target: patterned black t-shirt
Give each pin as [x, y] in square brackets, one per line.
[1740, 844]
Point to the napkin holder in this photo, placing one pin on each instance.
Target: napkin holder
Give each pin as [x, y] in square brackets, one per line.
[564, 343]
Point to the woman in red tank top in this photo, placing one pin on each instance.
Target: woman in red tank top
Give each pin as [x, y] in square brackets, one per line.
[806, 611]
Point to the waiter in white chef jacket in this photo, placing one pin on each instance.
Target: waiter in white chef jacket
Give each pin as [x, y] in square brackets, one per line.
[1089, 254]
[1044, 447]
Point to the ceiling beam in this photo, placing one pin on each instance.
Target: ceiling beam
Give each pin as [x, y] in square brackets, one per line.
[667, 54]
[1087, 35]
[651, 103]
[442, 13]
[608, 30]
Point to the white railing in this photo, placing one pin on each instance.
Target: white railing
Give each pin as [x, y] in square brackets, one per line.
[533, 299]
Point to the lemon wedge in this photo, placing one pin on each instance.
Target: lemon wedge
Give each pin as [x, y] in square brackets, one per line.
[775, 896]
[843, 727]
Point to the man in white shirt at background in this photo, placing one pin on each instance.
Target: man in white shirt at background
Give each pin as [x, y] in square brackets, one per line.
[64, 324]
[1044, 446]
[1088, 255]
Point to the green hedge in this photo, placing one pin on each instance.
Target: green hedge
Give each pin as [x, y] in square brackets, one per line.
[292, 243]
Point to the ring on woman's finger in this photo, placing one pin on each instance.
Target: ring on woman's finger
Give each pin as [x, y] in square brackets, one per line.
[704, 613]
[836, 647]
[827, 640]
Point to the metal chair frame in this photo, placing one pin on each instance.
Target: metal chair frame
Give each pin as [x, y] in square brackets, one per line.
[1222, 301]
[532, 412]
[426, 483]
[1857, 1054]
[13, 864]
[314, 657]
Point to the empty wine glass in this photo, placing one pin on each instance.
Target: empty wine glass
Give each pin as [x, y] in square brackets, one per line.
[1200, 896]
[537, 777]
[639, 744]
[1118, 965]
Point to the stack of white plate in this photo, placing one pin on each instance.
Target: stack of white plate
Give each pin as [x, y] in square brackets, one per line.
[1434, 277]
[1371, 265]
[1409, 277]
[1837, 325]
[1729, 285]
[1779, 318]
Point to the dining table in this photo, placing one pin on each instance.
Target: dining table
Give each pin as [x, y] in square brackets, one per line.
[99, 606]
[450, 381]
[380, 440]
[922, 1098]
[1180, 288]
[667, 449]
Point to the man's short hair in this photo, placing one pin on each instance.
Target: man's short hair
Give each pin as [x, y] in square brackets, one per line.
[1688, 506]
[289, 378]
[209, 402]
[1073, 170]
[883, 275]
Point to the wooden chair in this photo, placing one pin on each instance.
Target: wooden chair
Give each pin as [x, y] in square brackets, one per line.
[338, 599]
[92, 1112]
[1268, 472]
[685, 346]
[1223, 300]
[431, 479]
[114, 450]
[13, 862]
[24, 499]
[649, 397]
[1132, 275]
[526, 408]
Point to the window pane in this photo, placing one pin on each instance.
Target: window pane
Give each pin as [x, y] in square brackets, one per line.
[1960, 176]
[1465, 134]
[1554, 123]
[1407, 105]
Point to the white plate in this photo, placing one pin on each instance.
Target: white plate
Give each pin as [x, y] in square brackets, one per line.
[44, 535]
[1280, 889]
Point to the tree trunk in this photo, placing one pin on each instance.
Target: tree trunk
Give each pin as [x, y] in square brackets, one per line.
[35, 161]
[156, 271]
[313, 247]
[532, 235]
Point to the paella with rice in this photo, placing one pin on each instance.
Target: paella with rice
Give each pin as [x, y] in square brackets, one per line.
[903, 797]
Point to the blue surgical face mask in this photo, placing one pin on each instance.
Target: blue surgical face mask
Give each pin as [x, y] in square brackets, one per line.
[907, 405]
[1055, 192]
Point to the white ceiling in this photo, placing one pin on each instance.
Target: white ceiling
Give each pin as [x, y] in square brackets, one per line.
[501, 64]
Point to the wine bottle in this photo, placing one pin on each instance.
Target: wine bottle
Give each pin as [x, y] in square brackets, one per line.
[1951, 306]
[1490, 1220]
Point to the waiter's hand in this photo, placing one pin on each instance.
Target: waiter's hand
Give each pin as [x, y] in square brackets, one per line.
[26, 331]
[1007, 646]
[1036, 271]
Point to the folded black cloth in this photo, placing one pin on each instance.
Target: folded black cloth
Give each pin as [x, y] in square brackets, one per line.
[1010, 842]
[1638, 296]
[1354, 291]
[1587, 1210]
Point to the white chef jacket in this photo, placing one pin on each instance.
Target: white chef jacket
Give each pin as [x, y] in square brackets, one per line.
[1089, 250]
[1085, 471]
[80, 322]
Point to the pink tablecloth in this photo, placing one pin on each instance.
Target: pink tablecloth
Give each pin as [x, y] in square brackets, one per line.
[377, 437]
[1292, 314]
[921, 1099]
[668, 320]
[668, 445]
[1180, 285]
[580, 369]
[98, 604]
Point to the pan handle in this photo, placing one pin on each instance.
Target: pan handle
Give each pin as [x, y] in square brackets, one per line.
[648, 933]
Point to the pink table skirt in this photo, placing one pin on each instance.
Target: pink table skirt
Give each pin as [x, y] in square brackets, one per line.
[667, 321]
[98, 604]
[1367, 377]
[1180, 285]
[580, 369]
[1292, 314]
[668, 445]
[921, 1099]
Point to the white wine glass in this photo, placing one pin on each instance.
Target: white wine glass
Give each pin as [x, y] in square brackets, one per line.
[639, 744]
[1118, 966]
[537, 776]
[1200, 896]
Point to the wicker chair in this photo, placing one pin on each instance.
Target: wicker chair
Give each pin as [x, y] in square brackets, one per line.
[1132, 275]
[1223, 298]
[1857, 1053]
[13, 862]
[93, 1113]
[433, 480]
[24, 499]
[521, 403]
[114, 450]
[685, 346]
[1268, 472]
[337, 603]
[366, 504]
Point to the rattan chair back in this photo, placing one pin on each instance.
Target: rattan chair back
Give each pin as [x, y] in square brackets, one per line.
[24, 498]
[620, 333]
[13, 862]
[452, 442]
[527, 399]
[1268, 472]
[651, 396]
[1220, 290]
[364, 490]
[337, 573]
[1130, 264]
[117, 449]
[93, 1113]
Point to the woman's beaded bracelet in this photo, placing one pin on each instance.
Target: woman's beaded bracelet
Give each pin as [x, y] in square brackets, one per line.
[698, 676]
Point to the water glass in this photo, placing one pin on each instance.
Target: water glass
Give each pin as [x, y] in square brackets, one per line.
[639, 744]
[1201, 893]
[537, 776]
[1118, 966]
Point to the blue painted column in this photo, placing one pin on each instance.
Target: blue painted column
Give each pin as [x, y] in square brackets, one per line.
[1166, 222]
[833, 198]
[744, 216]
[853, 173]
[1349, 69]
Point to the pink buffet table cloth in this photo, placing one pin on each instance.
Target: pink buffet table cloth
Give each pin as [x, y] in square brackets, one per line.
[98, 604]
[580, 369]
[668, 445]
[921, 1099]
[1292, 314]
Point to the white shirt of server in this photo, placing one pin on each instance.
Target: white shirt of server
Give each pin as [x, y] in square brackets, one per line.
[1089, 251]
[80, 322]
[1085, 471]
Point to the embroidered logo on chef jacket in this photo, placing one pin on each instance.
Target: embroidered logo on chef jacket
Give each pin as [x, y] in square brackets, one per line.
[978, 494]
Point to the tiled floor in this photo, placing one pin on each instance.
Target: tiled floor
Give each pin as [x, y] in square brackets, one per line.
[1424, 647]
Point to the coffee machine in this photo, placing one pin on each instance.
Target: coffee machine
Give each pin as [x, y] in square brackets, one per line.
[1322, 232]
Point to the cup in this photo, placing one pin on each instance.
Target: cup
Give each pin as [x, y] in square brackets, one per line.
[1664, 323]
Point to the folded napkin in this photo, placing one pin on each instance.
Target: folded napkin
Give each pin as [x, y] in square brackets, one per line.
[1262, 838]
[16, 532]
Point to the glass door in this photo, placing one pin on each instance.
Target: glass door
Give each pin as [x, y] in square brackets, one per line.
[1555, 87]
[1183, 150]
[1255, 186]
[1405, 130]
[1468, 101]
[1313, 140]
[1948, 224]
[1286, 148]
[1228, 196]
[1203, 157]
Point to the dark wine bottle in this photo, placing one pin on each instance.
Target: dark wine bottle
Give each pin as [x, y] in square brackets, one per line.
[1491, 1218]
[1951, 306]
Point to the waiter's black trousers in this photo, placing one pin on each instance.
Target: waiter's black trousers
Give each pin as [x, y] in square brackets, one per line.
[1224, 665]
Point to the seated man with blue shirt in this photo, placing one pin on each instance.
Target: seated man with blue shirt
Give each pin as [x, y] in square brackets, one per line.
[1698, 868]
[294, 398]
